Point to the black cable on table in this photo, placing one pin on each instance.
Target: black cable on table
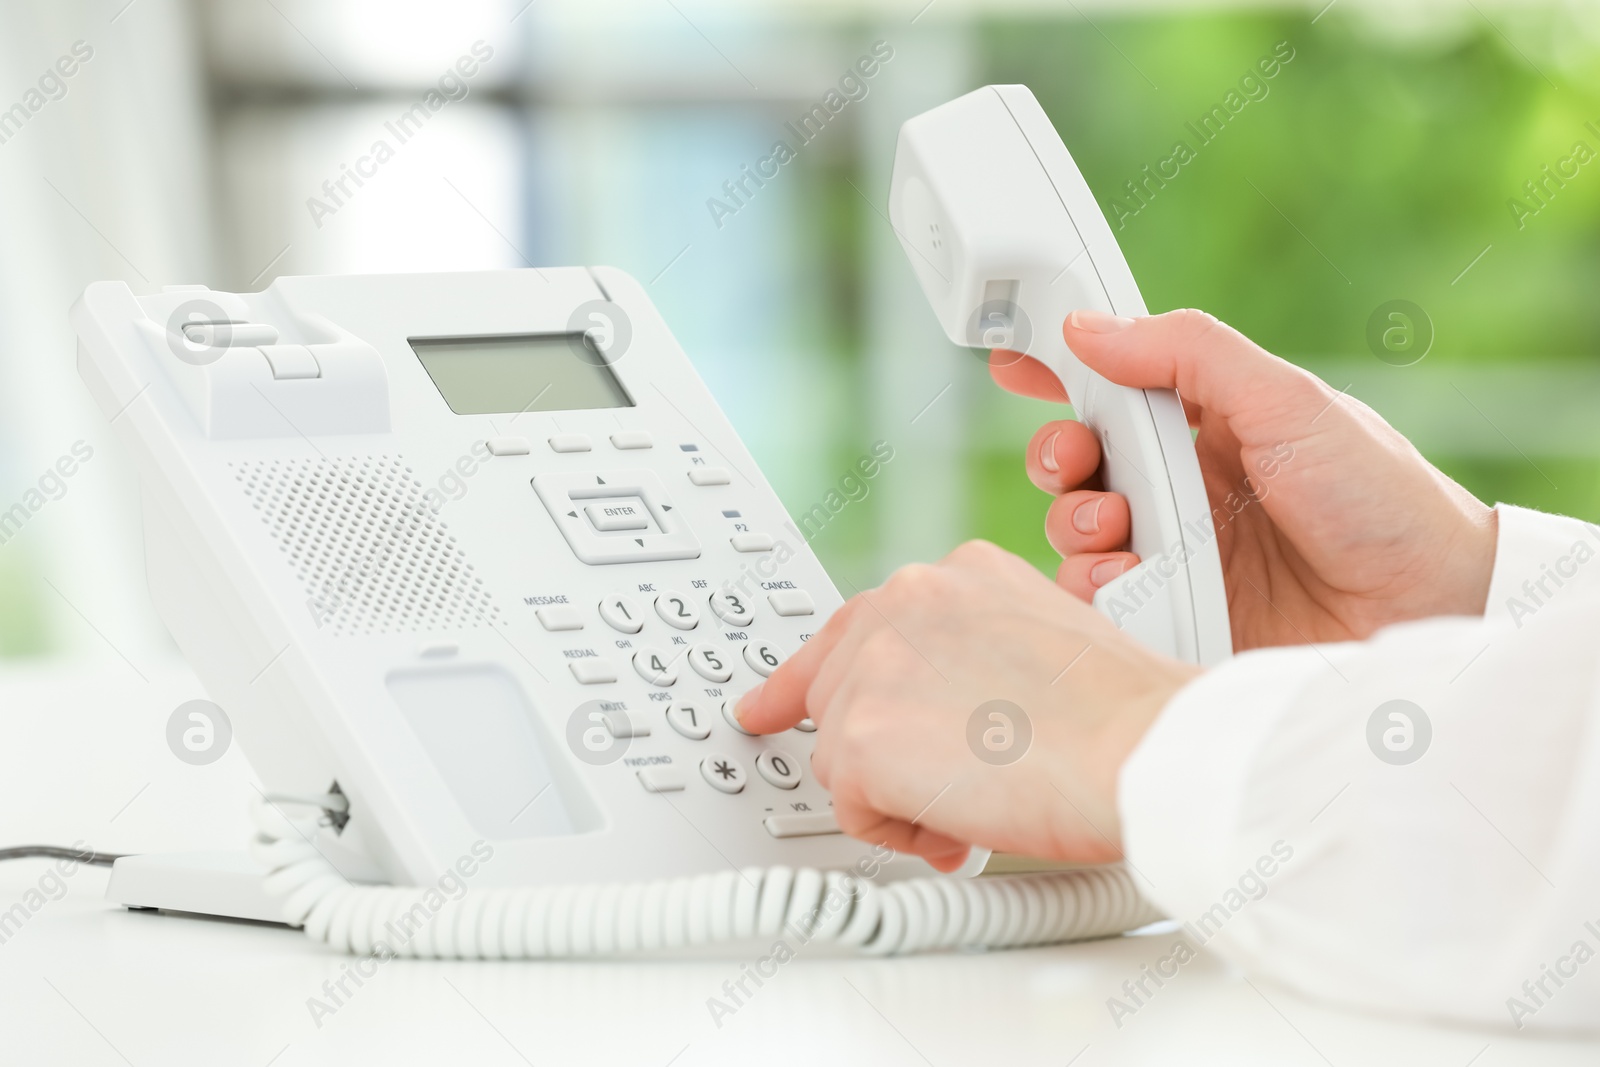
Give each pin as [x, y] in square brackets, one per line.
[55, 852]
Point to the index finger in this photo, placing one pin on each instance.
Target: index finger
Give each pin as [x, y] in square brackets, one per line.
[780, 701]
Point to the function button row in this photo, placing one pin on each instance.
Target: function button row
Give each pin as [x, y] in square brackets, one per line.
[622, 440]
[709, 476]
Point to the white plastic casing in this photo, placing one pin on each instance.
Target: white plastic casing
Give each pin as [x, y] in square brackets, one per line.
[1007, 240]
[355, 572]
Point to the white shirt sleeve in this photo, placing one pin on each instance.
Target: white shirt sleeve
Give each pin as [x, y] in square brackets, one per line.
[1409, 823]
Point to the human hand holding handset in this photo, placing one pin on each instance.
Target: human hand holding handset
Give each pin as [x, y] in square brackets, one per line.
[1007, 241]
[1322, 504]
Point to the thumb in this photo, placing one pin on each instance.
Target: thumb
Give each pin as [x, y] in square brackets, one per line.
[1208, 362]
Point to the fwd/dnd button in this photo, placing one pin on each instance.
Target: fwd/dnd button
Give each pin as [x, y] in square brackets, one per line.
[608, 518]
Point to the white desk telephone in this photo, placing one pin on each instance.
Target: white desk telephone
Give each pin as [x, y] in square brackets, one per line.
[476, 565]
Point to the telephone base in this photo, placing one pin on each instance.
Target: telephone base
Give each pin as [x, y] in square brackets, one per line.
[219, 884]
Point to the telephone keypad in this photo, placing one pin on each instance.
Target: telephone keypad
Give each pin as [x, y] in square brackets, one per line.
[727, 658]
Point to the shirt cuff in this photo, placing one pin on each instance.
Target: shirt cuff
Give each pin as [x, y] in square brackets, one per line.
[1181, 793]
[1539, 559]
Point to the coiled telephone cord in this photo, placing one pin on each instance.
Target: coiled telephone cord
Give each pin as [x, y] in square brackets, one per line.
[626, 918]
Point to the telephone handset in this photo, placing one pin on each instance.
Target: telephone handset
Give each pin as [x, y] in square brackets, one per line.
[477, 568]
[1007, 240]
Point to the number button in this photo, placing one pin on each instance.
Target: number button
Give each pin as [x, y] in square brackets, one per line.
[620, 613]
[655, 666]
[806, 726]
[709, 663]
[677, 610]
[687, 719]
[733, 719]
[725, 773]
[731, 608]
[763, 657]
[778, 768]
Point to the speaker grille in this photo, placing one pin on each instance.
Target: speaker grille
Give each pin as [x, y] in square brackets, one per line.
[360, 535]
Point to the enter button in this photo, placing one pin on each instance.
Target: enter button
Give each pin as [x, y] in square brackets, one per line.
[608, 518]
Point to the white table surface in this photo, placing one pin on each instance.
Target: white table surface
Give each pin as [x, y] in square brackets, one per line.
[83, 757]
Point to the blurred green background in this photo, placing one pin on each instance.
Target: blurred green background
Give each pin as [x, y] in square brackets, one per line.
[1380, 164]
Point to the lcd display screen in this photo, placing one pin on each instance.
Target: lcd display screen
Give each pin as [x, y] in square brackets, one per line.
[534, 372]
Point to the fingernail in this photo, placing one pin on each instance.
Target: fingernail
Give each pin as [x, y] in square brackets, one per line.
[1105, 571]
[1098, 321]
[747, 702]
[1086, 518]
[1047, 454]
